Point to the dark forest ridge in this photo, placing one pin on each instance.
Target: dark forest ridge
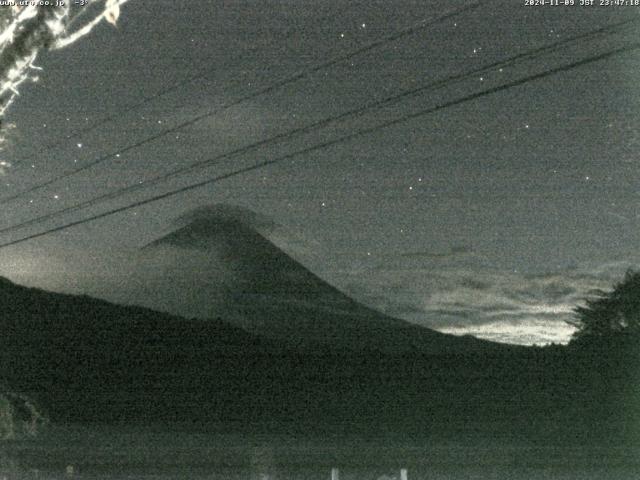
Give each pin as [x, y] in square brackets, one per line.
[88, 360]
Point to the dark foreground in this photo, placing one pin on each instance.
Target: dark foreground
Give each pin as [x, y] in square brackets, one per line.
[131, 392]
[167, 452]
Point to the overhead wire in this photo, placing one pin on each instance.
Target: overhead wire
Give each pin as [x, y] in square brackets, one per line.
[441, 83]
[268, 89]
[162, 92]
[351, 136]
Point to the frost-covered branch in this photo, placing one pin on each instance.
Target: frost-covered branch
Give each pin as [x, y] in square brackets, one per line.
[27, 30]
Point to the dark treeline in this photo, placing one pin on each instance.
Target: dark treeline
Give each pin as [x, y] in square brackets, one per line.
[85, 360]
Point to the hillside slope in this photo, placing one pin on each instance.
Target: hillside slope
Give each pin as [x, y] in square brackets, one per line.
[242, 276]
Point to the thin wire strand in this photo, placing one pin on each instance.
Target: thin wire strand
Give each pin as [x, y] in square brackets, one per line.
[286, 81]
[316, 125]
[244, 170]
[78, 133]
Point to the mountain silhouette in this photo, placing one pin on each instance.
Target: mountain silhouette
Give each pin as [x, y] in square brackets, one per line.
[79, 359]
[266, 292]
[88, 360]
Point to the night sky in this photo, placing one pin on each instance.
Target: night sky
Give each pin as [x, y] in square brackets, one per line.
[495, 217]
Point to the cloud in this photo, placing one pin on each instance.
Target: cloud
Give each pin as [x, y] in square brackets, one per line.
[460, 294]
[454, 251]
[244, 216]
[534, 331]
[293, 241]
[504, 306]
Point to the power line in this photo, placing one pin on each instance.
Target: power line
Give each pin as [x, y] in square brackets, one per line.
[286, 81]
[134, 106]
[360, 133]
[201, 74]
[319, 124]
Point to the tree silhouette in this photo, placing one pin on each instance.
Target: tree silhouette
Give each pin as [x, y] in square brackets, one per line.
[612, 316]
